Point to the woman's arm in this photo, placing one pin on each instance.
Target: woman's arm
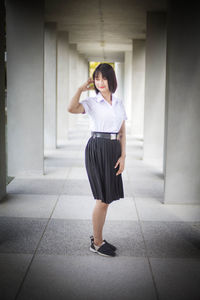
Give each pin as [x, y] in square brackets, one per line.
[122, 139]
[122, 136]
[74, 106]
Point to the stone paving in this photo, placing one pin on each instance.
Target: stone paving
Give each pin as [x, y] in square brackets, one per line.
[45, 226]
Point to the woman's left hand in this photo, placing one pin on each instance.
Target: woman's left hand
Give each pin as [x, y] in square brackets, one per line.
[121, 163]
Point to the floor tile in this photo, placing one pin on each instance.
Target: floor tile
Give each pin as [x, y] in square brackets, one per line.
[74, 207]
[151, 209]
[88, 278]
[147, 188]
[123, 209]
[20, 235]
[128, 191]
[29, 206]
[177, 278]
[36, 186]
[49, 173]
[144, 172]
[13, 268]
[67, 162]
[77, 187]
[77, 173]
[54, 238]
[171, 239]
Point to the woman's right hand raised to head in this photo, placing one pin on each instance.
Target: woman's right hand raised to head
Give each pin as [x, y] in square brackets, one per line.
[87, 85]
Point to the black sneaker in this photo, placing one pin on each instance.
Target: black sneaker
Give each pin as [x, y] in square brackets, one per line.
[110, 245]
[103, 250]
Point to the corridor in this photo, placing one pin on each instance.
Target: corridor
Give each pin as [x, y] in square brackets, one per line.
[46, 223]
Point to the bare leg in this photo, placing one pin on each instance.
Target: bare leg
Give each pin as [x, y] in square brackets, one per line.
[98, 219]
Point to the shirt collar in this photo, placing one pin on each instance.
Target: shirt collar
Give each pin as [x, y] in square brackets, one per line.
[99, 98]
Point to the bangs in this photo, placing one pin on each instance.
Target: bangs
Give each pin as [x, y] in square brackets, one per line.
[103, 72]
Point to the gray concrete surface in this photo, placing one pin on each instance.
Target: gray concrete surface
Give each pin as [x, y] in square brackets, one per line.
[128, 83]
[62, 83]
[25, 86]
[45, 226]
[155, 80]
[3, 170]
[50, 85]
[102, 30]
[138, 84]
[182, 184]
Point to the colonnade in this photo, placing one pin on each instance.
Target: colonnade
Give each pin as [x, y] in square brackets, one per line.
[158, 81]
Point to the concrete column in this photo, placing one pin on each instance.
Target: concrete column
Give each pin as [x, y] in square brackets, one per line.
[128, 83]
[82, 78]
[73, 80]
[155, 87]
[62, 85]
[3, 174]
[119, 70]
[182, 167]
[82, 72]
[50, 86]
[138, 82]
[25, 86]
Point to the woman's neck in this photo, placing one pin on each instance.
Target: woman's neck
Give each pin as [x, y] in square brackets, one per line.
[107, 96]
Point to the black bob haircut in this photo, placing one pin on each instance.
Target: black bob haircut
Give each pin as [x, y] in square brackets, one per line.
[108, 72]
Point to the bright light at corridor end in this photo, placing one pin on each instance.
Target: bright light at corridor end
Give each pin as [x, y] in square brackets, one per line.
[94, 64]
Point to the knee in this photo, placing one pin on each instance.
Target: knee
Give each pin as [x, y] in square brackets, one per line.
[102, 205]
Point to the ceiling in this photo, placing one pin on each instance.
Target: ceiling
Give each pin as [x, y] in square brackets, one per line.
[102, 29]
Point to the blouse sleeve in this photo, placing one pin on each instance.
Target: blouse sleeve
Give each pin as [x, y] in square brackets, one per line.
[85, 104]
[123, 111]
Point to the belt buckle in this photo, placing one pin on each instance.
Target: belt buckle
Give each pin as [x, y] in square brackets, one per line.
[112, 136]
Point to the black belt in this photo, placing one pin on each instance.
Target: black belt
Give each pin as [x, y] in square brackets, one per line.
[106, 135]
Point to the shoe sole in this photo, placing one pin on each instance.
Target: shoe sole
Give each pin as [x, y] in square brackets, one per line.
[95, 251]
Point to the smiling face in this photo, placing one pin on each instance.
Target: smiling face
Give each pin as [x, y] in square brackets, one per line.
[101, 83]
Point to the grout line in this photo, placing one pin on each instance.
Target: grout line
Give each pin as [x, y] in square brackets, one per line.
[35, 251]
[148, 259]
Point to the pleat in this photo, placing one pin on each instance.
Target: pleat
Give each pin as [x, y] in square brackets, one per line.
[101, 156]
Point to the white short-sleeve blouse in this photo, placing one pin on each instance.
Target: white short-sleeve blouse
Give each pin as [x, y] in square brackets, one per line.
[103, 116]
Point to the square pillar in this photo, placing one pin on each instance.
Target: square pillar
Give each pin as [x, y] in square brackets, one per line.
[182, 135]
[128, 82]
[138, 81]
[3, 173]
[119, 70]
[63, 78]
[155, 79]
[25, 86]
[73, 80]
[50, 85]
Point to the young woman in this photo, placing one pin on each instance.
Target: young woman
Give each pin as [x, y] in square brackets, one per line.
[105, 150]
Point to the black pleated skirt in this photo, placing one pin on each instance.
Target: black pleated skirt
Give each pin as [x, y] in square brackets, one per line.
[101, 155]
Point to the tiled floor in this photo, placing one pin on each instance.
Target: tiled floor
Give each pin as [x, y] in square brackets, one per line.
[45, 226]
